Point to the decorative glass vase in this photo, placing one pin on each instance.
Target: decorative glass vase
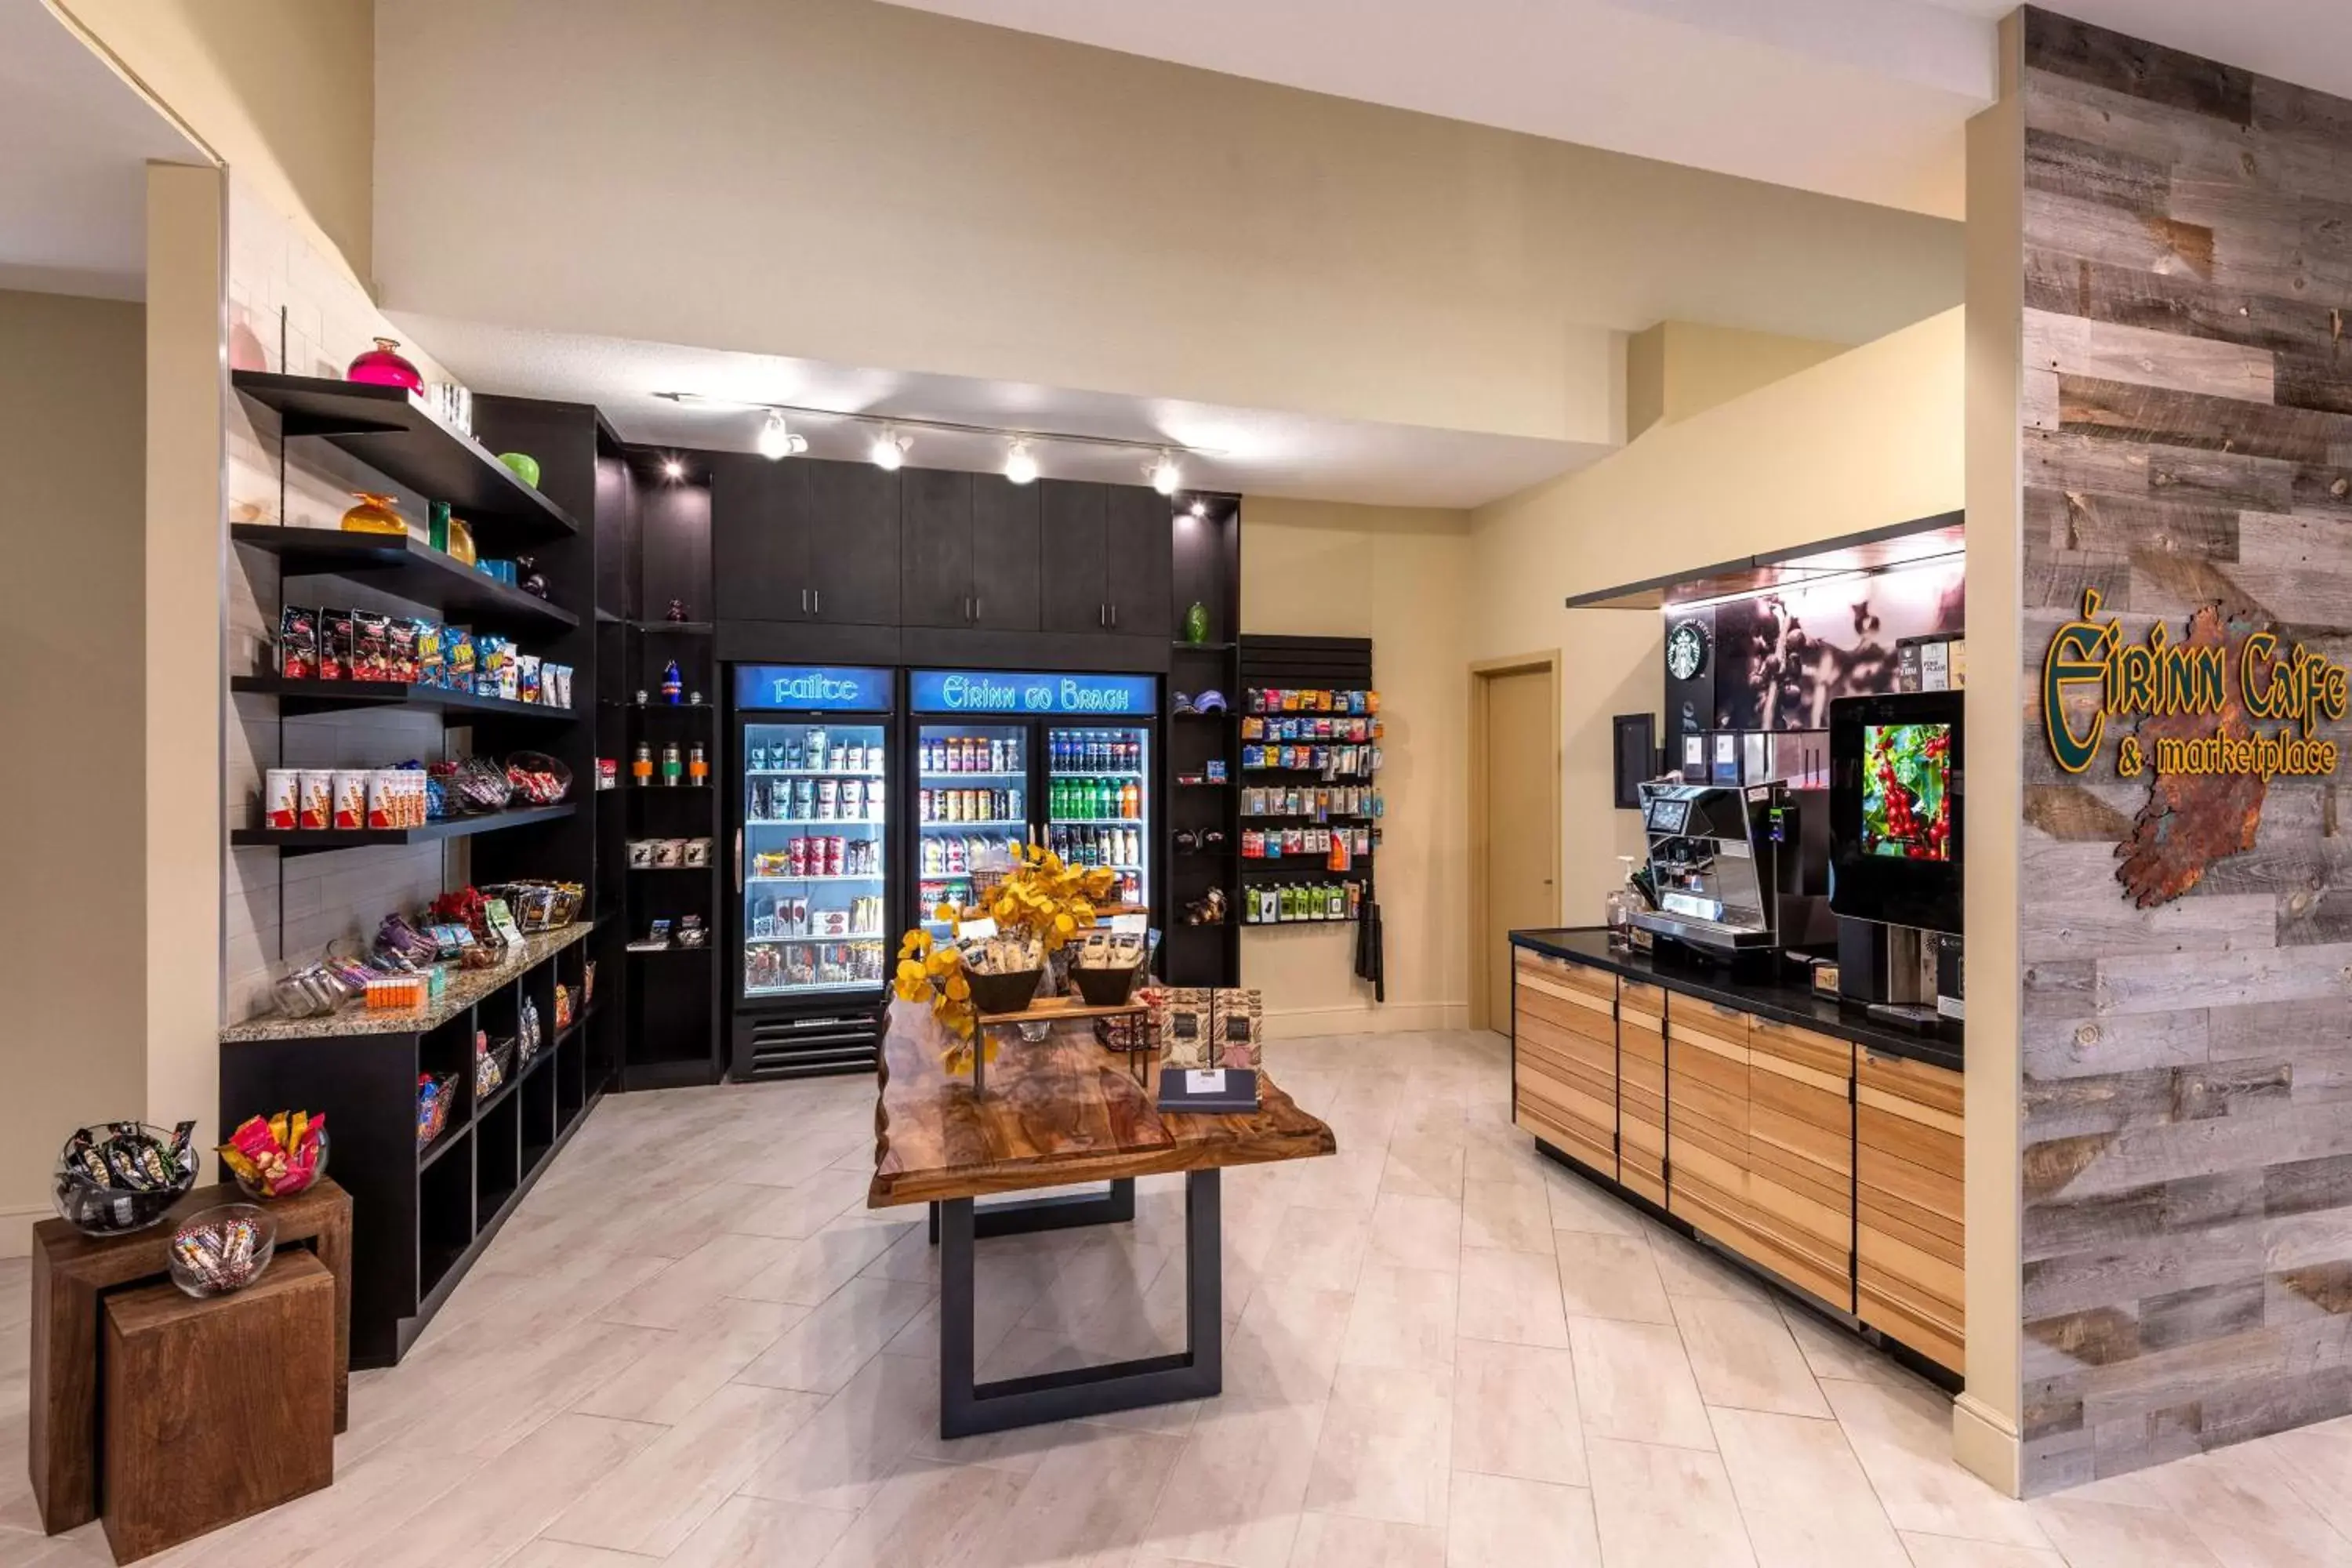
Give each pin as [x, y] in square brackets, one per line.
[1196, 623]
[382, 366]
[374, 514]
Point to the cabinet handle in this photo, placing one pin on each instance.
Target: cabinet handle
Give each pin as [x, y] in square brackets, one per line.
[739, 859]
[1114, 617]
[975, 607]
[804, 609]
[1102, 614]
[818, 594]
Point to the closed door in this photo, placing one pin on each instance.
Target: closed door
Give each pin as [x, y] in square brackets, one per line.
[759, 549]
[936, 536]
[1070, 556]
[1139, 529]
[1521, 857]
[853, 533]
[1004, 553]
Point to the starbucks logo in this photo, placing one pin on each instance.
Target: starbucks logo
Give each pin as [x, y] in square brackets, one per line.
[1687, 650]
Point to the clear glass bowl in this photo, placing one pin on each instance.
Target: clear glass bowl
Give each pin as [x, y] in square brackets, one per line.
[317, 1169]
[96, 1210]
[218, 1250]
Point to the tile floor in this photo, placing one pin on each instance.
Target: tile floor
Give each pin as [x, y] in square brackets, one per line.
[1440, 1351]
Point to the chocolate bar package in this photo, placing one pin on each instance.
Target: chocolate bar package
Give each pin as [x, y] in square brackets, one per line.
[400, 649]
[1203, 1028]
[298, 644]
[334, 645]
[370, 646]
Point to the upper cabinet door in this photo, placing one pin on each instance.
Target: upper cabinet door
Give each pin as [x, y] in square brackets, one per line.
[759, 548]
[852, 524]
[1004, 553]
[935, 548]
[1141, 544]
[1070, 556]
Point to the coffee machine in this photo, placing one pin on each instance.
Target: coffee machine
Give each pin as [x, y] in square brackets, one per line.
[1740, 870]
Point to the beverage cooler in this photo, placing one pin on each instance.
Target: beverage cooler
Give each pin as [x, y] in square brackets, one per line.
[812, 933]
[1070, 762]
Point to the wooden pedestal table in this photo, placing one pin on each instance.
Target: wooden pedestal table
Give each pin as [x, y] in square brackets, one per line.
[70, 1271]
[1059, 1111]
[216, 1409]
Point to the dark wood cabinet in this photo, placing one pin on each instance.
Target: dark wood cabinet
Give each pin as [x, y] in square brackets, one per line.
[1071, 562]
[935, 541]
[1004, 555]
[1139, 546]
[759, 549]
[851, 527]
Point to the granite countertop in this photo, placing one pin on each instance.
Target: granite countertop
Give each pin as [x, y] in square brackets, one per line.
[1783, 1001]
[466, 987]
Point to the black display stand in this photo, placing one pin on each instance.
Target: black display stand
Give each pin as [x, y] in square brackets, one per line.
[1207, 558]
[1339, 664]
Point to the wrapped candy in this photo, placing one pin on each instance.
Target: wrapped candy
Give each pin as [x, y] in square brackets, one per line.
[277, 1156]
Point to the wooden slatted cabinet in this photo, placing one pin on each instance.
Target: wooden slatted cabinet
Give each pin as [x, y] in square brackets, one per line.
[1565, 1035]
[1642, 1089]
[1706, 1119]
[1801, 1157]
[1909, 1156]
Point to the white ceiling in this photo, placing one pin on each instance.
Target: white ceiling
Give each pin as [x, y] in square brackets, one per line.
[1862, 99]
[75, 140]
[1256, 451]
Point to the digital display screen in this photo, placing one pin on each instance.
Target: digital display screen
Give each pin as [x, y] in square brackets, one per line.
[1906, 802]
[1668, 816]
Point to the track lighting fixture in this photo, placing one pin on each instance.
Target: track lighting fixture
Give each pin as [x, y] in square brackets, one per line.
[1020, 463]
[674, 469]
[890, 449]
[1166, 474]
[777, 439]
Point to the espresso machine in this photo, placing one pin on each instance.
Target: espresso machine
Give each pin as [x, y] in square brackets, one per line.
[1740, 871]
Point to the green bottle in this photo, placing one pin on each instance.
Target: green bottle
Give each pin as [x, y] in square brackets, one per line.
[1196, 623]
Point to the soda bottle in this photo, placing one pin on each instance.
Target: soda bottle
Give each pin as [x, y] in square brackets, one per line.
[1130, 803]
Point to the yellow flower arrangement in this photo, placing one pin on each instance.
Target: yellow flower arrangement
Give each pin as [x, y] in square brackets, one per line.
[1041, 897]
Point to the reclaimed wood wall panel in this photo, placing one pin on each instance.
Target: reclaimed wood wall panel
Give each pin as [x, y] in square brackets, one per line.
[2187, 440]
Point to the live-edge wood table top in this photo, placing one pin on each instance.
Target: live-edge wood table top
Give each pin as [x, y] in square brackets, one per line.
[1064, 1109]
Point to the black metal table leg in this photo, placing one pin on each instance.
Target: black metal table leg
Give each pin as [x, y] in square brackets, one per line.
[1062, 1212]
[967, 1408]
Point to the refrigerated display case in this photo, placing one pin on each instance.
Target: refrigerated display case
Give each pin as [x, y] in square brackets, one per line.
[1002, 757]
[813, 865]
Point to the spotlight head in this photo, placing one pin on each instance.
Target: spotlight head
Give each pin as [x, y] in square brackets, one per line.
[889, 451]
[777, 439]
[672, 469]
[1020, 464]
[1199, 508]
[1166, 475]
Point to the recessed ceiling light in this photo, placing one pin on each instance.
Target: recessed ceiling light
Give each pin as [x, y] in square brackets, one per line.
[890, 449]
[1020, 463]
[673, 469]
[1166, 474]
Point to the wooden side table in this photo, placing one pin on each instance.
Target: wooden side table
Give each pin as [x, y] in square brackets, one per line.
[216, 1409]
[70, 1271]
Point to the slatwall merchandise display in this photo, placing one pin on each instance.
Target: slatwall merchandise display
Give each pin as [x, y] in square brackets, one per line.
[1311, 804]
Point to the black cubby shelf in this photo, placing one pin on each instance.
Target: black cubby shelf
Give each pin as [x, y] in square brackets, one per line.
[395, 434]
[429, 1154]
[313, 841]
[400, 563]
[334, 696]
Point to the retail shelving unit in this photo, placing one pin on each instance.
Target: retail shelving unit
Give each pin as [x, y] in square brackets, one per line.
[1208, 559]
[1307, 663]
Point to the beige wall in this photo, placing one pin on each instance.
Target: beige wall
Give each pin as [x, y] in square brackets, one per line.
[1401, 577]
[283, 91]
[875, 186]
[72, 828]
[1676, 369]
[1868, 438]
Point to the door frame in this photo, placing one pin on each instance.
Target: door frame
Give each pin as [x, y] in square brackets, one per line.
[1483, 672]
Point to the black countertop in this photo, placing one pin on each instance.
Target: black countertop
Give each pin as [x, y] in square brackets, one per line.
[1784, 1001]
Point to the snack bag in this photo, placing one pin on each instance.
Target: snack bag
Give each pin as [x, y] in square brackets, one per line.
[370, 646]
[458, 665]
[400, 649]
[334, 645]
[430, 657]
[298, 644]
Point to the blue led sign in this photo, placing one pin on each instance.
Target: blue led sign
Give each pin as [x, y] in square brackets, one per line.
[1061, 696]
[812, 689]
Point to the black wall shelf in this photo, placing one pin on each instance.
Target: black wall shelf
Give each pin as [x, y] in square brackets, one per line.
[399, 564]
[311, 841]
[393, 432]
[338, 696]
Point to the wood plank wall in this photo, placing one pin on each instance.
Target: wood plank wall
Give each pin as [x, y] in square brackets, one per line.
[2188, 440]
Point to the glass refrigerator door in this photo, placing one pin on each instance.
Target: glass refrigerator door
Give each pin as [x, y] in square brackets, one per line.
[1098, 804]
[972, 811]
[813, 857]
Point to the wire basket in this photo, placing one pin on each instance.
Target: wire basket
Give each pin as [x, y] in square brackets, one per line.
[432, 1118]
